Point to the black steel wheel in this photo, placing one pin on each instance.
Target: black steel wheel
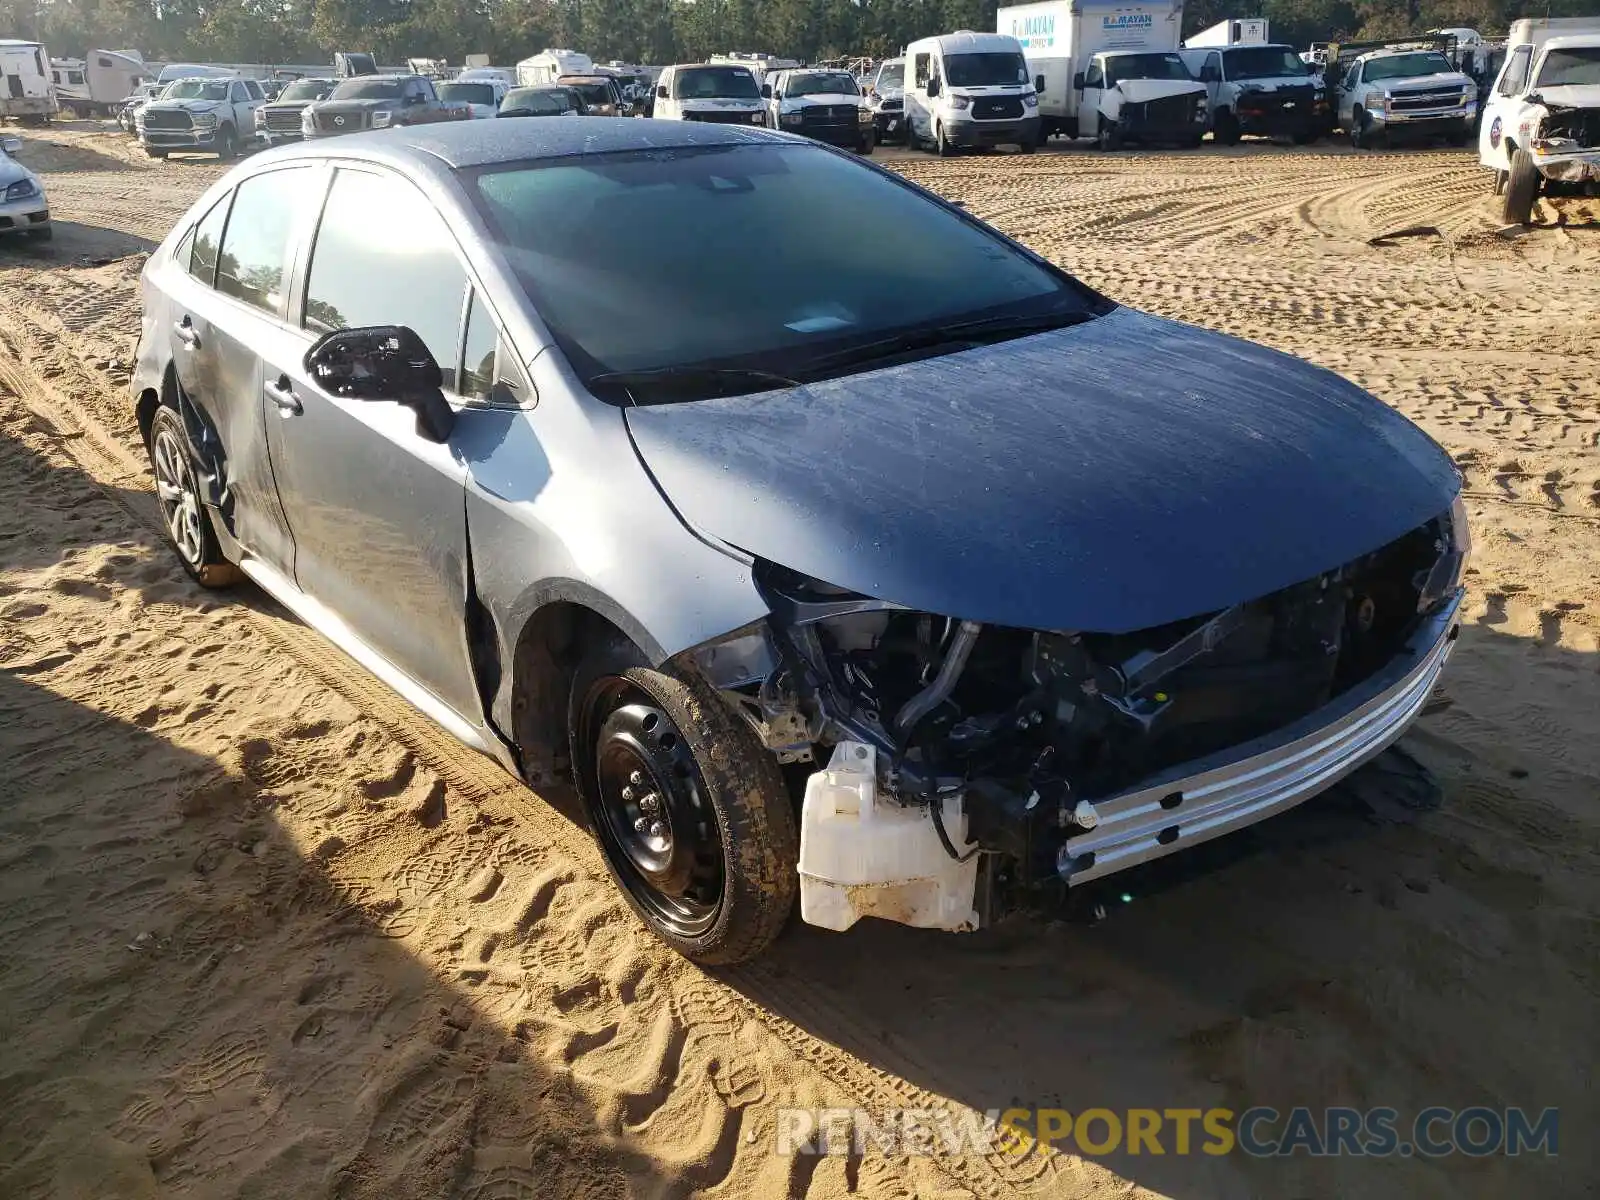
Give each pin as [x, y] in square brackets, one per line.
[689, 809]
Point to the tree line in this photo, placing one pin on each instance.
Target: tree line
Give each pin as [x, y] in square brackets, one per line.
[647, 31]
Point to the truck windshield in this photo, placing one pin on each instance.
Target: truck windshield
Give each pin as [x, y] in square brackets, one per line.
[1144, 66]
[1265, 62]
[715, 83]
[985, 70]
[1571, 66]
[832, 84]
[467, 93]
[640, 260]
[197, 89]
[1407, 66]
[367, 89]
[306, 89]
[891, 75]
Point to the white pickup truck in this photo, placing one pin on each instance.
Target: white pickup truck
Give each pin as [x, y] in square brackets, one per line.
[1541, 129]
[1401, 90]
[211, 115]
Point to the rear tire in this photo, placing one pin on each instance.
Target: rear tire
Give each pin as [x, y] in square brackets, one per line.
[184, 517]
[1522, 189]
[690, 811]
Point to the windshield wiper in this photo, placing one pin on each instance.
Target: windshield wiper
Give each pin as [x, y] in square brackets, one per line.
[953, 334]
[689, 383]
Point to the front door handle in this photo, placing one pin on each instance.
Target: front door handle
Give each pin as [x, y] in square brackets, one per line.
[282, 394]
[187, 334]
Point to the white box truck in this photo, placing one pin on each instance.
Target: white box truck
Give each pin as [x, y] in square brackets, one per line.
[1240, 31]
[26, 93]
[1109, 71]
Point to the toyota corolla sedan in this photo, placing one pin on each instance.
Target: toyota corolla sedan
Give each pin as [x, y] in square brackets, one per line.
[917, 580]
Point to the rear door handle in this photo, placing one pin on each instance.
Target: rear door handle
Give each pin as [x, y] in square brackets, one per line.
[187, 334]
[282, 394]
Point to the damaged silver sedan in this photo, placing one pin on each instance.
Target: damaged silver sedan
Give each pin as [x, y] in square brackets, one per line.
[912, 579]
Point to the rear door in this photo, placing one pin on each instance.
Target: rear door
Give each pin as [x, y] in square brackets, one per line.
[226, 300]
[377, 511]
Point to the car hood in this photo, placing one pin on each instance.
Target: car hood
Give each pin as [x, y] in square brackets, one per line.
[1572, 95]
[712, 103]
[334, 107]
[1424, 83]
[822, 98]
[1111, 476]
[192, 104]
[1140, 91]
[1278, 84]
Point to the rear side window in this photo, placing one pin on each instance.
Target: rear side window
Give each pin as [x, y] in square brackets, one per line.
[383, 256]
[207, 241]
[255, 247]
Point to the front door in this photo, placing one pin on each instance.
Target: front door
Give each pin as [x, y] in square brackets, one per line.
[1094, 83]
[378, 511]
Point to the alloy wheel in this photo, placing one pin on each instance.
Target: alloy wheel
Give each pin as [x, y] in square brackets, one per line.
[178, 496]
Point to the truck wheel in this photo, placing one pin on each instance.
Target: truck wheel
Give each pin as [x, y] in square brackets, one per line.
[1225, 129]
[1522, 189]
[227, 147]
[866, 145]
[689, 809]
[1361, 135]
[1306, 136]
[1110, 135]
[941, 144]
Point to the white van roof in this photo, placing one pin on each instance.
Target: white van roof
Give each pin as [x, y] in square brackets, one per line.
[965, 41]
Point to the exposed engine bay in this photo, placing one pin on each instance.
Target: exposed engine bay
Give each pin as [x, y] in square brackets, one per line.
[1569, 123]
[1029, 728]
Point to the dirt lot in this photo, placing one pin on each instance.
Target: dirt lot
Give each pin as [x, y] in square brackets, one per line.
[266, 933]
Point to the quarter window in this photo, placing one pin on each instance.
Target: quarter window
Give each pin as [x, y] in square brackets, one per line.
[383, 256]
[255, 248]
[207, 241]
[488, 370]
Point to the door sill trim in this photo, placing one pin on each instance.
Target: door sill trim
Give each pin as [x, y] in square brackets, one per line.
[333, 627]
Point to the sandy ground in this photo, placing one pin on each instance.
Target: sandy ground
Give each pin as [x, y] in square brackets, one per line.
[263, 932]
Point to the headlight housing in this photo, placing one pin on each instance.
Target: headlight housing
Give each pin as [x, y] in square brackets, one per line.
[790, 118]
[758, 118]
[1377, 100]
[381, 118]
[22, 189]
[1031, 100]
[204, 120]
[864, 115]
[261, 118]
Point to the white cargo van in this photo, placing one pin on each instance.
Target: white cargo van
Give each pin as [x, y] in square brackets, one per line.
[25, 90]
[1108, 69]
[969, 90]
[726, 93]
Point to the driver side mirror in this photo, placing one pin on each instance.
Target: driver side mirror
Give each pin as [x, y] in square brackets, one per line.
[933, 87]
[661, 93]
[1038, 84]
[1077, 81]
[766, 91]
[384, 362]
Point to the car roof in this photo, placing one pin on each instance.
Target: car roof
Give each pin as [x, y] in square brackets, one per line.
[973, 43]
[465, 144]
[1392, 51]
[1570, 41]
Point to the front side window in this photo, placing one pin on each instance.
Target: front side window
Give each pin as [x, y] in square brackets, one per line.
[985, 70]
[1094, 77]
[383, 256]
[255, 248]
[239, 94]
[1516, 73]
[641, 260]
[920, 70]
[208, 241]
[715, 83]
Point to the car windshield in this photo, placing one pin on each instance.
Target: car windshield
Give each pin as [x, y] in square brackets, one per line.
[640, 261]
[539, 104]
[594, 93]
[1571, 66]
[307, 89]
[985, 70]
[715, 83]
[1406, 66]
[467, 93]
[367, 89]
[197, 89]
[1265, 62]
[829, 84]
[891, 76]
[1144, 66]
